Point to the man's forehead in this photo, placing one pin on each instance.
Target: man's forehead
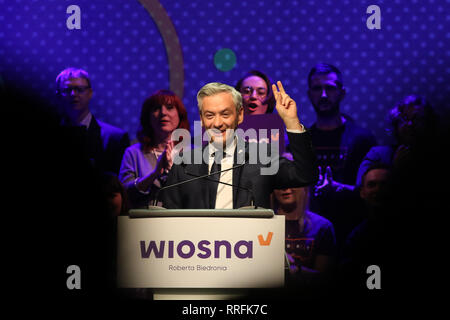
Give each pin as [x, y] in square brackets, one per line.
[218, 102]
[75, 81]
[377, 174]
[323, 78]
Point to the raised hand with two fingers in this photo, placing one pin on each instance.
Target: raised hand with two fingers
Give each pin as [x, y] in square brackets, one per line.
[286, 107]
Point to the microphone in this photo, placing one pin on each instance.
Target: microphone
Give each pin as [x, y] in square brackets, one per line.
[207, 176]
[252, 197]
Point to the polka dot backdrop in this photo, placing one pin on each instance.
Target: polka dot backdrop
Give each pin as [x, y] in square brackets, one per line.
[122, 48]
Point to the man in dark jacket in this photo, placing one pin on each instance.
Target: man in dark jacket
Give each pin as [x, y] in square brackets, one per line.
[104, 143]
[221, 111]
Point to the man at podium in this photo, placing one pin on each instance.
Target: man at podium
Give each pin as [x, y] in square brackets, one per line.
[237, 173]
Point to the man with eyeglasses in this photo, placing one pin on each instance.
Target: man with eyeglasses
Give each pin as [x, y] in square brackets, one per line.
[105, 144]
[340, 146]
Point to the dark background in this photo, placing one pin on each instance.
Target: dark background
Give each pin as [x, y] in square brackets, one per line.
[53, 199]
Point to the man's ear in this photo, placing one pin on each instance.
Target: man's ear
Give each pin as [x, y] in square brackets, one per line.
[343, 93]
[241, 115]
[201, 119]
[308, 92]
[91, 92]
[362, 193]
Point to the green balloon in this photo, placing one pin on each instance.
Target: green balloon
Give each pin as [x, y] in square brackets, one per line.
[225, 59]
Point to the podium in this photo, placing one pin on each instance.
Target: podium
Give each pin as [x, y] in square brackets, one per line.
[200, 254]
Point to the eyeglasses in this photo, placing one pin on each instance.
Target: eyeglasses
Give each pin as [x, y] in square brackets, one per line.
[414, 118]
[78, 89]
[247, 91]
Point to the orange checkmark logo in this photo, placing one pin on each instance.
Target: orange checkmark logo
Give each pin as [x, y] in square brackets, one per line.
[267, 241]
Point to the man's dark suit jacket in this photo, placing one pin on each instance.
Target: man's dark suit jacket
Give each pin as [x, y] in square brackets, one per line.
[195, 195]
[106, 145]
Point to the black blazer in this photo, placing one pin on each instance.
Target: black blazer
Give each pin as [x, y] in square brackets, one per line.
[106, 145]
[194, 195]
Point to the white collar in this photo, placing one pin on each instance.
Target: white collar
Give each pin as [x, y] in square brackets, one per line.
[86, 121]
[229, 149]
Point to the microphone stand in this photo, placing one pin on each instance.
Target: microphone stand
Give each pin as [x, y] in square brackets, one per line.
[229, 184]
[155, 201]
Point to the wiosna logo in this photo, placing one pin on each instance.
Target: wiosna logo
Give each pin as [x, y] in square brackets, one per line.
[204, 249]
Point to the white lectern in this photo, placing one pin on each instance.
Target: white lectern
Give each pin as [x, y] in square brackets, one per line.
[200, 254]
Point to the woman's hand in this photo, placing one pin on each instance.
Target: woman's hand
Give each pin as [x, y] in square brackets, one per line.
[163, 165]
[165, 160]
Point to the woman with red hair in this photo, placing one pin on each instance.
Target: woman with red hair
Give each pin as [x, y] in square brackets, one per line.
[145, 164]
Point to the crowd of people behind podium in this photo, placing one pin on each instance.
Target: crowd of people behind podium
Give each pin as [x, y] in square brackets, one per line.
[336, 228]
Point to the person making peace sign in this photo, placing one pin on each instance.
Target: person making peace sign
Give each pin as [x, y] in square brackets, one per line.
[221, 111]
